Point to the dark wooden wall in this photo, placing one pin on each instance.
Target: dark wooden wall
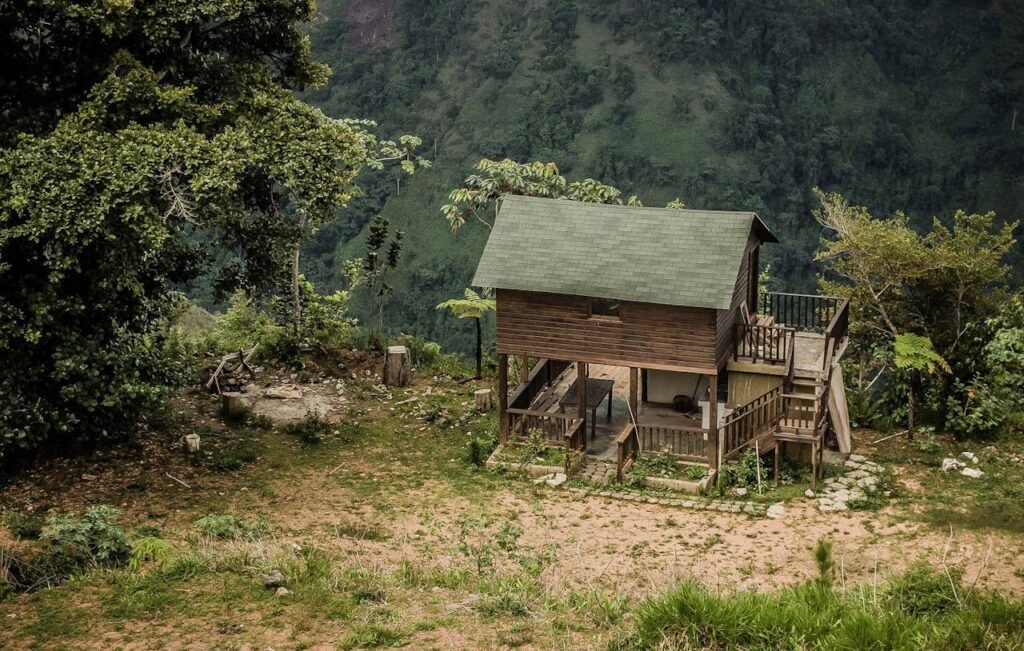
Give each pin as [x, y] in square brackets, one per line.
[728, 318]
[560, 327]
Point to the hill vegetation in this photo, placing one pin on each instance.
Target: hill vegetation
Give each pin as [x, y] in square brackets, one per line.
[907, 105]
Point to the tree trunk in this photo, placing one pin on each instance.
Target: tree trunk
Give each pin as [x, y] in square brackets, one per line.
[296, 304]
[397, 367]
[483, 400]
[296, 299]
[479, 351]
[910, 406]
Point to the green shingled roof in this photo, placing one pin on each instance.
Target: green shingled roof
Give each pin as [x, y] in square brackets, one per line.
[648, 255]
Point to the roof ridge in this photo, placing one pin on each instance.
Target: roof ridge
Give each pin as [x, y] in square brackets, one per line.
[510, 195]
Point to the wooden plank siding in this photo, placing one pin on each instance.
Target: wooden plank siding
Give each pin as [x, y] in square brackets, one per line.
[726, 319]
[559, 326]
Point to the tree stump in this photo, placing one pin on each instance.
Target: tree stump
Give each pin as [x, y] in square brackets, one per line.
[233, 404]
[397, 367]
[484, 402]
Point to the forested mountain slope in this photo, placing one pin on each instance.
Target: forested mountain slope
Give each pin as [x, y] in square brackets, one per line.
[738, 104]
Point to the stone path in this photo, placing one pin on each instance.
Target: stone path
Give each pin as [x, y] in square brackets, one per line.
[860, 478]
[726, 506]
[597, 472]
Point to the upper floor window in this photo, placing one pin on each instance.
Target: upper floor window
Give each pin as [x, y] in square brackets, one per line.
[604, 307]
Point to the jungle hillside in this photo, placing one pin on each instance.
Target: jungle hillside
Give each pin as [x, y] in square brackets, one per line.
[909, 105]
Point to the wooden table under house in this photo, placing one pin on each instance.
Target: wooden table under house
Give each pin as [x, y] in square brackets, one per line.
[658, 311]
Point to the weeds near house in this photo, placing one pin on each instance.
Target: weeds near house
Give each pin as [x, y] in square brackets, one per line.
[232, 527]
[310, 430]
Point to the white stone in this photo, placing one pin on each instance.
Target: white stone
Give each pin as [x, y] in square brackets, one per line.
[282, 591]
[973, 473]
[970, 456]
[859, 458]
[558, 479]
[858, 474]
[739, 492]
[284, 393]
[809, 493]
[949, 463]
[776, 511]
[853, 465]
[868, 481]
[544, 478]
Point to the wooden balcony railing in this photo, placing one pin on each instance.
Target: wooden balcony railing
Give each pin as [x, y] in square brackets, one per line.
[763, 344]
[747, 422]
[836, 331]
[805, 312]
[687, 443]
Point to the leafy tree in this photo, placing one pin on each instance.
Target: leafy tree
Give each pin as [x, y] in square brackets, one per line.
[943, 285]
[915, 354]
[472, 306]
[133, 128]
[534, 179]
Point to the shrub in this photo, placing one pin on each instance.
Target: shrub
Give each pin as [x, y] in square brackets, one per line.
[232, 527]
[74, 541]
[27, 526]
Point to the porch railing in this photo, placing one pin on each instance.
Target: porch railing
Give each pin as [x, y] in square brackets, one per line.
[763, 344]
[806, 414]
[627, 445]
[543, 373]
[749, 421]
[687, 443]
[554, 425]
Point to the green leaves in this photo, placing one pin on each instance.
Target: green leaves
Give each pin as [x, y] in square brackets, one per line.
[914, 352]
[473, 306]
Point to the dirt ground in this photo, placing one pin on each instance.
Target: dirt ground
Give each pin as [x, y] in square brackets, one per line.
[396, 471]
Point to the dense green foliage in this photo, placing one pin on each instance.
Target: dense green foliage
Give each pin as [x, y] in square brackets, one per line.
[133, 130]
[907, 105]
[931, 314]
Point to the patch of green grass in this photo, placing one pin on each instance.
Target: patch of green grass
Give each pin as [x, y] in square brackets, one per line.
[232, 527]
[916, 612]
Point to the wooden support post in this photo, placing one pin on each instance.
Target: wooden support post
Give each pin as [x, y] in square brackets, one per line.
[713, 422]
[502, 398]
[634, 381]
[814, 465]
[581, 395]
[778, 460]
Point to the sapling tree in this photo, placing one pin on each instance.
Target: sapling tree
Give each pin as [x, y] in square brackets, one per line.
[472, 306]
[915, 354]
[383, 252]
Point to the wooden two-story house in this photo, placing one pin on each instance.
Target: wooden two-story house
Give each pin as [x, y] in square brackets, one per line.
[659, 312]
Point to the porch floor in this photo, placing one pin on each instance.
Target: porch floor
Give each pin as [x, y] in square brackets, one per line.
[602, 446]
